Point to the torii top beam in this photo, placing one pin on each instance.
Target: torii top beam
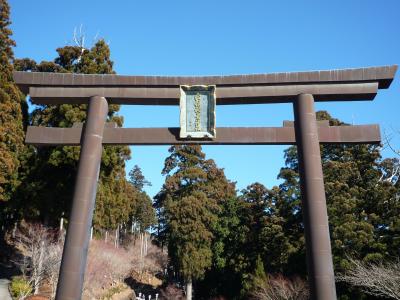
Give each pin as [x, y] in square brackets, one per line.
[347, 84]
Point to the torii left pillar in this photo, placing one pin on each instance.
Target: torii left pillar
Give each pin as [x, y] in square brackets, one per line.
[73, 264]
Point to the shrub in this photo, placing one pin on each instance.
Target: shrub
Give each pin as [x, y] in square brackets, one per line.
[171, 292]
[40, 259]
[381, 279]
[20, 288]
[281, 288]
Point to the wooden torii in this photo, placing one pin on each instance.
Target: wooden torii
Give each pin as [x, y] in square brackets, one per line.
[300, 88]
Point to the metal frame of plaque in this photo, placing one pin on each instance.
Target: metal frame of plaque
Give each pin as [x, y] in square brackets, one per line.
[197, 111]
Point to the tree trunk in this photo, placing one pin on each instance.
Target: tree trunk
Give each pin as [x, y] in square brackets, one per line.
[39, 271]
[141, 253]
[116, 238]
[189, 289]
[14, 230]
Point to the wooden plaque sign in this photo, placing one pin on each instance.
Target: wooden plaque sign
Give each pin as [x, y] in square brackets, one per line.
[197, 106]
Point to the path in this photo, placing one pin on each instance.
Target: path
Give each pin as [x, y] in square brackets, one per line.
[4, 293]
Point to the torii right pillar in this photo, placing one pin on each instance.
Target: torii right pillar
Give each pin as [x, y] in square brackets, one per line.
[321, 276]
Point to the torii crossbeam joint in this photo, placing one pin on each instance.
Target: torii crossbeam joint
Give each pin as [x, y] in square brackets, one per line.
[301, 89]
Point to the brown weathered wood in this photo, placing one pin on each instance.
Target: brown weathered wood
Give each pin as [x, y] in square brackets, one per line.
[225, 95]
[42, 136]
[383, 74]
[320, 272]
[322, 123]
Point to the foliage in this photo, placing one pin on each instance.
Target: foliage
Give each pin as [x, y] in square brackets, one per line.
[261, 216]
[189, 206]
[362, 196]
[12, 113]
[137, 179]
[259, 272]
[356, 195]
[362, 200]
[143, 213]
[20, 288]
[49, 197]
[255, 242]
[112, 291]
[62, 161]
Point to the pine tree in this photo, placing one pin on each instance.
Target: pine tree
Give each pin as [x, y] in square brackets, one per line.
[12, 110]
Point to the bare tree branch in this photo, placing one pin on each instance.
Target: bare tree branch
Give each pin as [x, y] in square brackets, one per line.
[79, 40]
[388, 142]
[41, 255]
[379, 279]
[280, 288]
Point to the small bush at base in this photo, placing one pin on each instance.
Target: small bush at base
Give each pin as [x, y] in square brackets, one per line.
[114, 290]
[172, 292]
[20, 288]
[281, 288]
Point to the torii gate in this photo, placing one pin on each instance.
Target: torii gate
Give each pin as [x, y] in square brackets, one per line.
[301, 88]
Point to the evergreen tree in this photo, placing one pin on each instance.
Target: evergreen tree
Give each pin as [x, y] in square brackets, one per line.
[229, 260]
[143, 213]
[259, 276]
[48, 197]
[362, 225]
[137, 179]
[12, 110]
[388, 208]
[257, 240]
[189, 205]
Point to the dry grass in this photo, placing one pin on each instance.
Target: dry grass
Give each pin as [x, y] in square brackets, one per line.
[153, 263]
[108, 266]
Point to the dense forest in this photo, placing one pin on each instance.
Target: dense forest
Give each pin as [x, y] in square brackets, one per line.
[221, 242]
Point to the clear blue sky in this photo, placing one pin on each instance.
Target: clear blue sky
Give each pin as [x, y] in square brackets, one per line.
[226, 37]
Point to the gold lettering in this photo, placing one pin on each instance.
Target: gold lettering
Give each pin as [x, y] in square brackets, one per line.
[197, 111]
